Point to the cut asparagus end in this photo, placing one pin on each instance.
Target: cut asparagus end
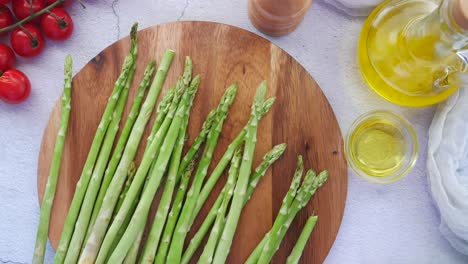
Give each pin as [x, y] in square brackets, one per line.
[167, 58]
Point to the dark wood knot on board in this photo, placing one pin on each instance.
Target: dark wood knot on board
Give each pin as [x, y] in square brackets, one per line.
[98, 60]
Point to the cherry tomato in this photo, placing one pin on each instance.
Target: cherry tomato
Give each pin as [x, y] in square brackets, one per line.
[6, 18]
[22, 8]
[5, 1]
[28, 43]
[7, 58]
[64, 4]
[57, 26]
[14, 86]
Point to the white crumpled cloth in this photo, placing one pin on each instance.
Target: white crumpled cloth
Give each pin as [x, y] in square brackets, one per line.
[447, 168]
[354, 7]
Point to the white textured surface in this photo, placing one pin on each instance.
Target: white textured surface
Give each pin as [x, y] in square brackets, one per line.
[394, 223]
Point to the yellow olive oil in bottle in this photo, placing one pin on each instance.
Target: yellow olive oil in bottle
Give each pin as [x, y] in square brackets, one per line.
[414, 52]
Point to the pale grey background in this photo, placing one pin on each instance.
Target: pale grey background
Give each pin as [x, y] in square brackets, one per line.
[394, 223]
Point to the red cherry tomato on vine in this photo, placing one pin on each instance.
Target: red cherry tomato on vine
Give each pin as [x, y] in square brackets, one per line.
[14, 86]
[22, 8]
[7, 58]
[6, 17]
[57, 25]
[27, 43]
[64, 4]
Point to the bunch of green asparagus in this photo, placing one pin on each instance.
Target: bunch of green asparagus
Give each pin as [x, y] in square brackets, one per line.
[296, 198]
[112, 200]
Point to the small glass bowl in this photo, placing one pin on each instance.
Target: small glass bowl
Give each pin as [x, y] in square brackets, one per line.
[379, 119]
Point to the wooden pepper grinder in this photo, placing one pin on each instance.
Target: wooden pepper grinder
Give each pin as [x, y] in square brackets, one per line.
[277, 17]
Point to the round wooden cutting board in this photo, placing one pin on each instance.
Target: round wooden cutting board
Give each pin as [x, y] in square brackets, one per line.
[222, 54]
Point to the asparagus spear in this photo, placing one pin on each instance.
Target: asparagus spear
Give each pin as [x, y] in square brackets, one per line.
[259, 172]
[140, 216]
[146, 166]
[126, 221]
[185, 170]
[290, 195]
[210, 247]
[116, 156]
[131, 175]
[161, 112]
[218, 171]
[138, 181]
[174, 214]
[82, 223]
[49, 193]
[85, 177]
[227, 236]
[163, 107]
[301, 200]
[184, 81]
[132, 255]
[184, 222]
[266, 249]
[110, 199]
[302, 241]
[195, 147]
[149, 252]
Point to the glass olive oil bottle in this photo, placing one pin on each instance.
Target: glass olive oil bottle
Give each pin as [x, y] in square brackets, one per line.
[415, 52]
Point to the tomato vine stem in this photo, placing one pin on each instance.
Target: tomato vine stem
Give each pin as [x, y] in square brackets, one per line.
[31, 17]
[33, 39]
[60, 21]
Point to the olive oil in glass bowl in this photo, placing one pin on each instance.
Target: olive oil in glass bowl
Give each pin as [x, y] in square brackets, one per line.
[381, 147]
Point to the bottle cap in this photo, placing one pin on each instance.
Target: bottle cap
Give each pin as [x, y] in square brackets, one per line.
[460, 13]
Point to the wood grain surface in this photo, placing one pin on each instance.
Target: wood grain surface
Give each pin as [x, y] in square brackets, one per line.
[222, 54]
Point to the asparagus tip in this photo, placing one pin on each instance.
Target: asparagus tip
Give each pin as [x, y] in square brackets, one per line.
[309, 179]
[227, 98]
[261, 91]
[322, 177]
[300, 160]
[188, 61]
[280, 148]
[152, 64]
[68, 60]
[275, 152]
[238, 152]
[195, 81]
[209, 120]
[132, 169]
[134, 30]
[265, 108]
[190, 167]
